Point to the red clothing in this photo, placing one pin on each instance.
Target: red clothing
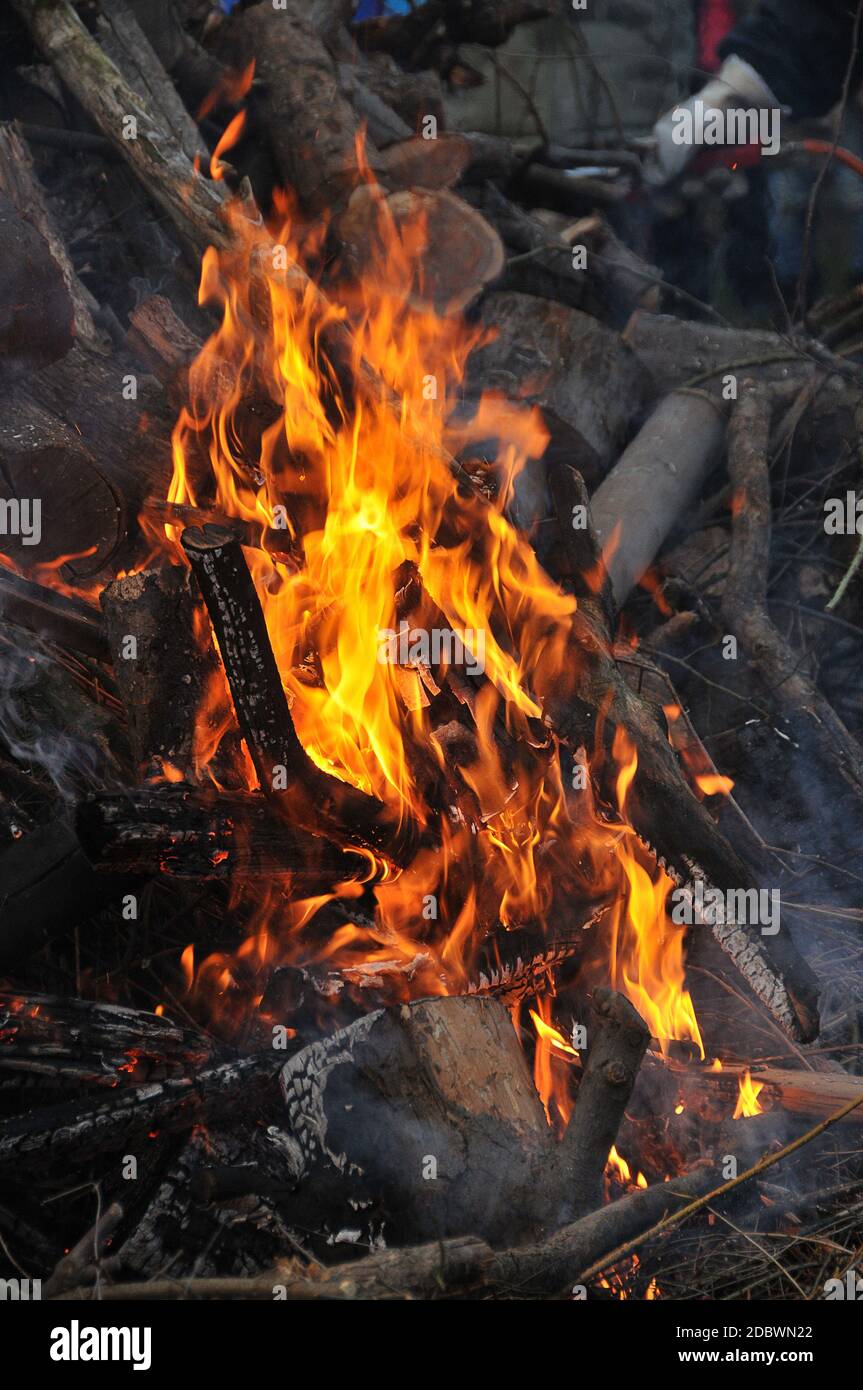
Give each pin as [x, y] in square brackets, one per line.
[716, 18]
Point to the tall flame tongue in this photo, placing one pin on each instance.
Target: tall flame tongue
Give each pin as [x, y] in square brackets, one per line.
[279, 435]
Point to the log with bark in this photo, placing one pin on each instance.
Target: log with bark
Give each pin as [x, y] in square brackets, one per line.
[587, 385]
[654, 482]
[617, 1041]
[432, 1107]
[37, 317]
[204, 834]
[67, 621]
[19, 183]
[294, 785]
[168, 674]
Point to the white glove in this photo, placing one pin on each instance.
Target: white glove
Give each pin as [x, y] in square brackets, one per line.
[736, 84]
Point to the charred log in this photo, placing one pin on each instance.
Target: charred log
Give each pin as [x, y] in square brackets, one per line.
[294, 785]
[204, 835]
[36, 312]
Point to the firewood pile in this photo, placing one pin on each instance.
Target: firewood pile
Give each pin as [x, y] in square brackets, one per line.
[406, 598]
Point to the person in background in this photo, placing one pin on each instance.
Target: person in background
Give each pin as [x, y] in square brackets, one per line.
[598, 75]
[788, 54]
[792, 56]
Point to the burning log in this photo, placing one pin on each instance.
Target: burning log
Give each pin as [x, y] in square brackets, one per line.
[433, 1105]
[48, 1039]
[56, 1134]
[312, 128]
[556, 1264]
[744, 602]
[164, 665]
[204, 835]
[617, 1041]
[814, 1094]
[36, 313]
[277, 543]
[586, 383]
[439, 281]
[666, 814]
[19, 183]
[295, 786]
[66, 621]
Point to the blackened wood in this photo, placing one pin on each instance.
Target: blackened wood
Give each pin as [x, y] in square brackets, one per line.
[203, 835]
[74, 1131]
[70, 1269]
[48, 887]
[616, 1042]
[462, 1265]
[276, 542]
[577, 560]
[165, 666]
[67, 621]
[36, 312]
[19, 183]
[179, 1229]
[433, 1105]
[311, 797]
[101, 428]
[113, 1045]
[82, 513]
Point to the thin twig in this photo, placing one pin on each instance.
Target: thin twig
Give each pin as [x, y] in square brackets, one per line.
[667, 1222]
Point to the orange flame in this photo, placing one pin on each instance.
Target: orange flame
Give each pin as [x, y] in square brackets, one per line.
[364, 495]
[747, 1100]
